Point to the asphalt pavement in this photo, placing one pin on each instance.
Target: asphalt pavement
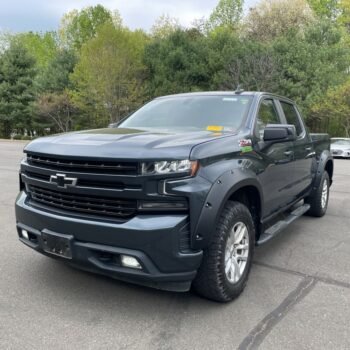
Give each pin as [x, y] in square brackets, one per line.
[297, 297]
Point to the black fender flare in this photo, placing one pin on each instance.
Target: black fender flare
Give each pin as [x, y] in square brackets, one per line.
[320, 168]
[224, 186]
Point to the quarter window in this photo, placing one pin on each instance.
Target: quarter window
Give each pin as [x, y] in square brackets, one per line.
[292, 117]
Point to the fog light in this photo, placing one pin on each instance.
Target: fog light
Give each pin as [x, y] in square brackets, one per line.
[163, 205]
[25, 234]
[130, 261]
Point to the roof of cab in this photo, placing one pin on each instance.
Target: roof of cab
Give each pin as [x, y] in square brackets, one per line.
[211, 93]
[226, 93]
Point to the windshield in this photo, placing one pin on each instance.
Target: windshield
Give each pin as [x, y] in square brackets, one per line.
[191, 113]
[341, 142]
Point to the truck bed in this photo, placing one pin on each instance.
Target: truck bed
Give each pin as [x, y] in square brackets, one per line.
[321, 142]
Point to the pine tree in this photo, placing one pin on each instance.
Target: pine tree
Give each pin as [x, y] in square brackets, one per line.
[16, 90]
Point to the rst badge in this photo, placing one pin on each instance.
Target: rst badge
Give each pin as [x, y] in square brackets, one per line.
[61, 180]
[246, 145]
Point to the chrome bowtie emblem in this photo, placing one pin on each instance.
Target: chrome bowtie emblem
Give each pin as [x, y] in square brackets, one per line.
[61, 180]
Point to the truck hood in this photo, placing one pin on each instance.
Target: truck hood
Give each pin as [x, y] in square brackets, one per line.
[118, 143]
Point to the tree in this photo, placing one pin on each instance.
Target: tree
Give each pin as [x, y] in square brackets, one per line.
[109, 74]
[328, 9]
[271, 19]
[16, 90]
[78, 27]
[312, 64]
[5, 40]
[55, 78]
[42, 47]
[331, 112]
[235, 61]
[164, 26]
[226, 14]
[177, 63]
[254, 66]
[55, 111]
[344, 14]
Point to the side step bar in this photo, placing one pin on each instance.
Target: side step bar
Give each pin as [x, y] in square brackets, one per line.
[274, 230]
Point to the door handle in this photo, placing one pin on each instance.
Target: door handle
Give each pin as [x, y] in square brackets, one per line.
[309, 149]
[288, 153]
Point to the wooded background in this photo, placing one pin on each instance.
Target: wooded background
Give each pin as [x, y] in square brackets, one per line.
[94, 70]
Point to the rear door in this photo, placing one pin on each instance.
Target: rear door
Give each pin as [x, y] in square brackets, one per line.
[277, 158]
[303, 151]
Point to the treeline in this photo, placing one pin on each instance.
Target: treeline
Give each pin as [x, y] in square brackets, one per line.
[94, 70]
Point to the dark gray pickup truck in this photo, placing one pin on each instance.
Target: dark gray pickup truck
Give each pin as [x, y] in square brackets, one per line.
[177, 194]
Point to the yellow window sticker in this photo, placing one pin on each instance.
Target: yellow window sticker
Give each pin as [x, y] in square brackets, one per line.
[215, 128]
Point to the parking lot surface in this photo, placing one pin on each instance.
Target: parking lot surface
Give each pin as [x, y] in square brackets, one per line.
[297, 297]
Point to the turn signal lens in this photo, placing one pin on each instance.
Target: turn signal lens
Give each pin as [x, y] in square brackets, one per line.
[194, 167]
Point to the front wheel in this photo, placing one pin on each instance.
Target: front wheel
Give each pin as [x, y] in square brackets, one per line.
[228, 258]
[319, 199]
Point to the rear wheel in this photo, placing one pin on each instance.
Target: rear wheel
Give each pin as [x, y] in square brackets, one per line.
[319, 199]
[227, 261]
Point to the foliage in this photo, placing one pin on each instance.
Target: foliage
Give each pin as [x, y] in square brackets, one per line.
[344, 14]
[226, 14]
[55, 77]
[331, 111]
[16, 90]
[177, 64]
[312, 64]
[55, 111]
[271, 19]
[94, 70]
[165, 26]
[328, 9]
[42, 47]
[234, 62]
[110, 73]
[78, 27]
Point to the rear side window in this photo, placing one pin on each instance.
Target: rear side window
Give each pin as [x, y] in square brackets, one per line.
[292, 116]
[267, 115]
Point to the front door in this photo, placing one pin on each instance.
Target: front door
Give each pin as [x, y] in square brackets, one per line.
[303, 151]
[276, 179]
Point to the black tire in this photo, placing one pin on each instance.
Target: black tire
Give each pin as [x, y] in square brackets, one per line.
[211, 281]
[315, 200]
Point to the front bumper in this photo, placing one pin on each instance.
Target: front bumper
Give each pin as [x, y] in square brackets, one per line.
[153, 239]
[340, 154]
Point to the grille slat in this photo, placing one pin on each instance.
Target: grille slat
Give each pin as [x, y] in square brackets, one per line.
[117, 208]
[88, 166]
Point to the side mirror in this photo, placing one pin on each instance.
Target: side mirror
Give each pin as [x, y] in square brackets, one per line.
[279, 133]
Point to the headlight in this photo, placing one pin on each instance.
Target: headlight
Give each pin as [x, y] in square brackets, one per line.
[170, 167]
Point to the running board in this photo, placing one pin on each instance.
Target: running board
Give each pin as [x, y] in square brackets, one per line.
[274, 230]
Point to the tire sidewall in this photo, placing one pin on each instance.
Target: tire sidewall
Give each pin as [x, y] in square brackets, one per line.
[325, 177]
[244, 216]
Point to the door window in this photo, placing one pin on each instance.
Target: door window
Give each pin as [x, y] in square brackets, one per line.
[292, 117]
[267, 115]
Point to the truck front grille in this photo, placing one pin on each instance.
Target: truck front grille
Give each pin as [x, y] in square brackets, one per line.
[91, 205]
[84, 166]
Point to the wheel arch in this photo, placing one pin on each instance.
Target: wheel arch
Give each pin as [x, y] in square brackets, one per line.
[250, 196]
[230, 186]
[325, 163]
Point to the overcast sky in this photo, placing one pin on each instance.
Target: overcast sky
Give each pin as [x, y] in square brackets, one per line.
[36, 15]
